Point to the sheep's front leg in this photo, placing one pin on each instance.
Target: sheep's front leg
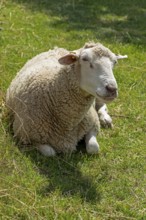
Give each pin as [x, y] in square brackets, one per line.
[104, 117]
[89, 128]
[92, 146]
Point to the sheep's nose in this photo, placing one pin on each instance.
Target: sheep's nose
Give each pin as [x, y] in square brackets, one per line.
[111, 89]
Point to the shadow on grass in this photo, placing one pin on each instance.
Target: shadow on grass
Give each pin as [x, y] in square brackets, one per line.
[123, 21]
[63, 174]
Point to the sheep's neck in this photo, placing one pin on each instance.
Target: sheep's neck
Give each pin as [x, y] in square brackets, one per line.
[78, 96]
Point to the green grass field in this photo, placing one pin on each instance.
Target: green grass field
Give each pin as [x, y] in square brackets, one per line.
[111, 185]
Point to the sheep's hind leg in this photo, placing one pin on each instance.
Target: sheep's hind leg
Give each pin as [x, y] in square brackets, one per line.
[92, 146]
[46, 150]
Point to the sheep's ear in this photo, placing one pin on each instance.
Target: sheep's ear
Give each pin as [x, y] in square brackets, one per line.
[119, 57]
[68, 59]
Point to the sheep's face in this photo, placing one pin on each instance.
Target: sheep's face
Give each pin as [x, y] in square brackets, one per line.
[97, 75]
[96, 71]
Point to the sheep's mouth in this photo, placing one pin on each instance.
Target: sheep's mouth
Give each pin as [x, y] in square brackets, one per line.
[106, 98]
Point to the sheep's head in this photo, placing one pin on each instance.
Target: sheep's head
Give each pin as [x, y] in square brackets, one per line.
[97, 63]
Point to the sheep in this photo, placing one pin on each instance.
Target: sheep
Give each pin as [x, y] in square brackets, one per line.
[57, 96]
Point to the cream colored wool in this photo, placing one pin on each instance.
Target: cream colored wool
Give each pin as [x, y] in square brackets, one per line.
[48, 105]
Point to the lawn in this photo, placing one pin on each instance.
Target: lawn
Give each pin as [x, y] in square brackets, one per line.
[111, 185]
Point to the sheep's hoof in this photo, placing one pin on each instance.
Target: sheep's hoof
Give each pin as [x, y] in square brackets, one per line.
[46, 150]
[92, 147]
[106, 121]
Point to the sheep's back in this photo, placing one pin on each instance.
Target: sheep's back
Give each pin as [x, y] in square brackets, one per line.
[35, 73]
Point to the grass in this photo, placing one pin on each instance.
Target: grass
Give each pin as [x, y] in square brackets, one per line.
[113, 184]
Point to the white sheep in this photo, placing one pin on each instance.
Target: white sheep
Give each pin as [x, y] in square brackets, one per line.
[52, 98]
